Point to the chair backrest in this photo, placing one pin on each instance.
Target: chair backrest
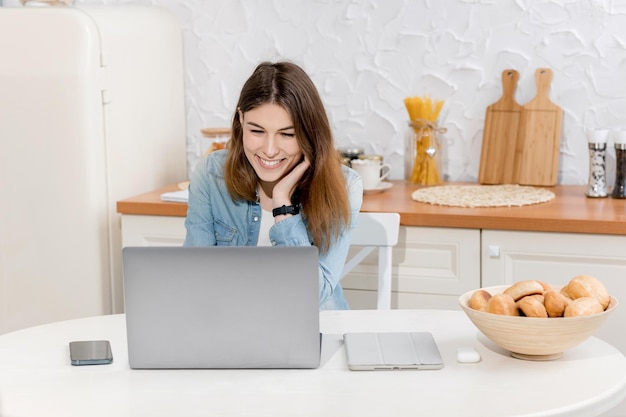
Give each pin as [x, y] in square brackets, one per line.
[376, 230]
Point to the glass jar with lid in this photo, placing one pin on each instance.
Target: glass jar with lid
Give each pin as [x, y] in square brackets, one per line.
[218, 138]
[351, 152]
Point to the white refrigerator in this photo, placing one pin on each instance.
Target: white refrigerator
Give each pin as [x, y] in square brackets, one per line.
[91, 112]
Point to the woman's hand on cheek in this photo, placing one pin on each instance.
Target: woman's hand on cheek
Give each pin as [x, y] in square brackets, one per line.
[284, 188]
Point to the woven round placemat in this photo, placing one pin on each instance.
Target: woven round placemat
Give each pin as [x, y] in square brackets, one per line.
[507, 195]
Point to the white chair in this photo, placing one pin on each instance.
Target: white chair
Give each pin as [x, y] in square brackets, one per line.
[376, 230]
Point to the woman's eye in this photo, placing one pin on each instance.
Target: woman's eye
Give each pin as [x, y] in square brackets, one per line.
[289, 135]
[256, 131]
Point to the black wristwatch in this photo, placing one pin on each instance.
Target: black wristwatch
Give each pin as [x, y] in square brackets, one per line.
[285, 210]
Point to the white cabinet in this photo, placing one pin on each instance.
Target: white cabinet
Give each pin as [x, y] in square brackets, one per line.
[431, 268]
[139, 230]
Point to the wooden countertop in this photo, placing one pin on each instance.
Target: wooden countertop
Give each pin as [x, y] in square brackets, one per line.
[570, 211]
[150, 204]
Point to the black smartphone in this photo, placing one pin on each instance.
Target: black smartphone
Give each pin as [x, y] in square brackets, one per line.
[91, 352]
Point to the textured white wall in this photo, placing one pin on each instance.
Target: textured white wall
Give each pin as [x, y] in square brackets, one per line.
[367, 56]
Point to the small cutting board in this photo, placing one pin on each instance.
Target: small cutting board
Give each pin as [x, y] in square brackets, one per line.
[500, 135]
[537, 154]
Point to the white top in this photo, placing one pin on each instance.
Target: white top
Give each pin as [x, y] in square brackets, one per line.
[619, 136]
[36, 378]
[597, 135]
[267, 221]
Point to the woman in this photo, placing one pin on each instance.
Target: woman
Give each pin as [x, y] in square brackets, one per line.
[280, 181]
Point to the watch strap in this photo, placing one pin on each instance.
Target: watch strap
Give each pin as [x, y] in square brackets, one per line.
[285, 210]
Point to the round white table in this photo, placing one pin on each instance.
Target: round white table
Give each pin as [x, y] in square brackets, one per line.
[36, 378]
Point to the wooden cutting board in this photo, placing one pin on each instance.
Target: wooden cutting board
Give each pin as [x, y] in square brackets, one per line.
[537, 154]
[502, 122]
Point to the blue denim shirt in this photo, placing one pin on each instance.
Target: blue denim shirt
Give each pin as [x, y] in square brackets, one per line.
[214, 219]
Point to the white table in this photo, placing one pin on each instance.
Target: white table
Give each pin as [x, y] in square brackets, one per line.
[36, 378]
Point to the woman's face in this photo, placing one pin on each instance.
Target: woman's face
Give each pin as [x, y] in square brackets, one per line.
[269, 141]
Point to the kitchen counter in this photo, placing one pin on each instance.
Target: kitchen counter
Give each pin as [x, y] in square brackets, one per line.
[570, 211]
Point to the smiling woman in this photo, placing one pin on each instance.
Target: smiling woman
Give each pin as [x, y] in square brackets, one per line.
[271, 147]
[281, 181]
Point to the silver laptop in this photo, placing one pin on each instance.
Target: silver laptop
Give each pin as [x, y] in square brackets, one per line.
[392, 351]
[222, 307]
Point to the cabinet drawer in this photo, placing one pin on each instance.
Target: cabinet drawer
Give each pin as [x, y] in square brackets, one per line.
[427, 262]
[138, 230]
[556, 258]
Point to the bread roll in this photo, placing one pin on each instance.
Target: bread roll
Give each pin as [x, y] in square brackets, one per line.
[588, 286]
[479, 300]
[523, 288]
[502, 304]
[555, 303]
[532, 306]
[583, 306]
[537, 297]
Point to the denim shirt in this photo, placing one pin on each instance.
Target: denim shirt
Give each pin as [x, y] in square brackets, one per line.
[214, 219]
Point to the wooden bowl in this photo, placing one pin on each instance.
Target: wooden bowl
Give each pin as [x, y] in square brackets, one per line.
[534, 338]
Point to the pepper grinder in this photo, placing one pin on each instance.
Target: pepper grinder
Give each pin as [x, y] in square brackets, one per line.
[596, 187]
[619, 138]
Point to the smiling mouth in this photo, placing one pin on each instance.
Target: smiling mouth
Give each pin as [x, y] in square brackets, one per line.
[269, 164]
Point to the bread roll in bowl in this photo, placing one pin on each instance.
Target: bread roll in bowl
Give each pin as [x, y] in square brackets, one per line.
[502, 304]
[555, 303]
[532, 306]
[583, 306]
[588, 286]
[479, 300]
[523, 288]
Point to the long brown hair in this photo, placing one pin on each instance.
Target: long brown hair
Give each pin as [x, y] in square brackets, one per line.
[322, 191]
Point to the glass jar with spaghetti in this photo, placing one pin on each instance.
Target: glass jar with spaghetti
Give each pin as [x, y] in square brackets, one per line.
[423, 153]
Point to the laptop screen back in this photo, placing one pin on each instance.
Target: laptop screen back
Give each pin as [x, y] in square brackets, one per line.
[222, 307]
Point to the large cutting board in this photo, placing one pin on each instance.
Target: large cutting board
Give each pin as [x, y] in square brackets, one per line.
[537, 155]
[502, 122]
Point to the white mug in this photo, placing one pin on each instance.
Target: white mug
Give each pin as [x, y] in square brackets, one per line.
[372, 172]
